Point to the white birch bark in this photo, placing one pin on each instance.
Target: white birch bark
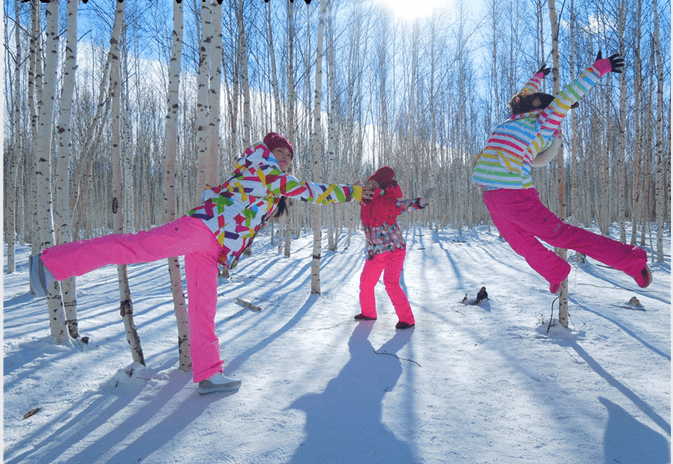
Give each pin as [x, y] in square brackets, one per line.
[35, 79]
[214, 92]
[622, 154]
[64, 148]
[289, 218]
[331, 131]
[636, 192]
[202, 104]
[279, 121]
[317, 151]
[661, 183]
[16, 150]
[126, 305]
[45, 104]
[560, 171]
[245, 81]
[173, 105]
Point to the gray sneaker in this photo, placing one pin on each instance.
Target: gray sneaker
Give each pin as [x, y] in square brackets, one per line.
[40, 276]
[218, 383]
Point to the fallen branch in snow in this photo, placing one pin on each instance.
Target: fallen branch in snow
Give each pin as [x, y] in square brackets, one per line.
[394, 355]
[248, 305]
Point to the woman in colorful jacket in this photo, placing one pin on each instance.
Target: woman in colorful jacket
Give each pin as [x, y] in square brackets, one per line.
[385, 245]
[215, 232]
[503, 171]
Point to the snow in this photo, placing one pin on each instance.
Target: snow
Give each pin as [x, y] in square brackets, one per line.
[488, 383]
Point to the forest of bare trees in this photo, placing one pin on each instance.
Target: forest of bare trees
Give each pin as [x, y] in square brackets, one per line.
[116, 118]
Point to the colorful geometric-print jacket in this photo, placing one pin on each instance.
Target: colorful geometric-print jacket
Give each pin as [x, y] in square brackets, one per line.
[506, 160]
[384, 234]
[237, 209]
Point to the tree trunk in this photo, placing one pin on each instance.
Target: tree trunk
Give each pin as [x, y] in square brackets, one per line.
[661, 184]
[173, 105]
[126, 305]
[62, 184]
[245, 85]
[16, 151]
[213, 175]
[317, 152]
[637, 192]
[560, 171]
[290, 117]
[45, 105]
[621, 154]
[202, 104]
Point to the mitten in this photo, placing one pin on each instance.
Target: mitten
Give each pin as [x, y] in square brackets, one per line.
[543, 70]
[426, 196]
[614, 63]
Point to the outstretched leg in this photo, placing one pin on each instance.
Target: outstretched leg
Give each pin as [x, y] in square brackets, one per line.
[523, 210]
[180, 237]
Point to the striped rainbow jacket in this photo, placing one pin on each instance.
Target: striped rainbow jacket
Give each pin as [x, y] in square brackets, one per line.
[237, 209]
[511, 148]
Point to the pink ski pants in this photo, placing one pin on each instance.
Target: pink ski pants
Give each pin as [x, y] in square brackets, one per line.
[390, 263]
[521, 219]
[185, 236]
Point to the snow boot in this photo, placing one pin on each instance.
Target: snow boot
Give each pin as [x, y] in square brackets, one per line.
[362, 317]
[218, 383]
[644, 277]
[41, 277]
[403, 325]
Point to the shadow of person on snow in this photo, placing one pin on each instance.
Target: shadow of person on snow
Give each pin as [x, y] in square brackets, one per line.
[344, 422]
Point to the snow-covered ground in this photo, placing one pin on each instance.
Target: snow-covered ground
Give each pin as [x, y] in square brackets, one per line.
[468, 384]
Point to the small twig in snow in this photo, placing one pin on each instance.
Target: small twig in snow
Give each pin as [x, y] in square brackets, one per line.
[401, 359]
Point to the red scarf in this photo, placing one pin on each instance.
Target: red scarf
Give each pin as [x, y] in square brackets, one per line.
[382, 208]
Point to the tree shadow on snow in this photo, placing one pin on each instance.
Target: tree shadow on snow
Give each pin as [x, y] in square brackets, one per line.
[344, 422]
[619, 386]
[168, 411]
[627, 440]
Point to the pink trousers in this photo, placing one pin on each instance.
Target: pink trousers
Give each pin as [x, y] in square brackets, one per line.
[185, 236]
[390, 263]
[521, 219]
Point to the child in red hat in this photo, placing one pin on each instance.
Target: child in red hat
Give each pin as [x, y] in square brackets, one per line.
[385, 245]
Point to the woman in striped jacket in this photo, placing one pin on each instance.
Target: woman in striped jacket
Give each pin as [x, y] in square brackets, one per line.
[215, 232]
[503, 171]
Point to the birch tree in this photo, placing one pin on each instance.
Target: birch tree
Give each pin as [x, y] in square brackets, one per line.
[16, 147]
[173, 106]
[214, 90]
[659, 134]
[202, 103]
[290, 116]
[622, 156]
[126, 304]
[636, 192]
[560, 168]
[63, 162]
[317, 151]
[43, 146]
[245, 80]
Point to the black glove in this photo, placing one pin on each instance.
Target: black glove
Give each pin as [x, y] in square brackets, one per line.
[544, 70]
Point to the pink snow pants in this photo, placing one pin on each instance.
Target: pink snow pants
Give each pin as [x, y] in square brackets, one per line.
[521, 219]
[185, 236]
[391, 262]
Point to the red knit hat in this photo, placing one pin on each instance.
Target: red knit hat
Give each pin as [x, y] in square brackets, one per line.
[274, 140]
[384, 176]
